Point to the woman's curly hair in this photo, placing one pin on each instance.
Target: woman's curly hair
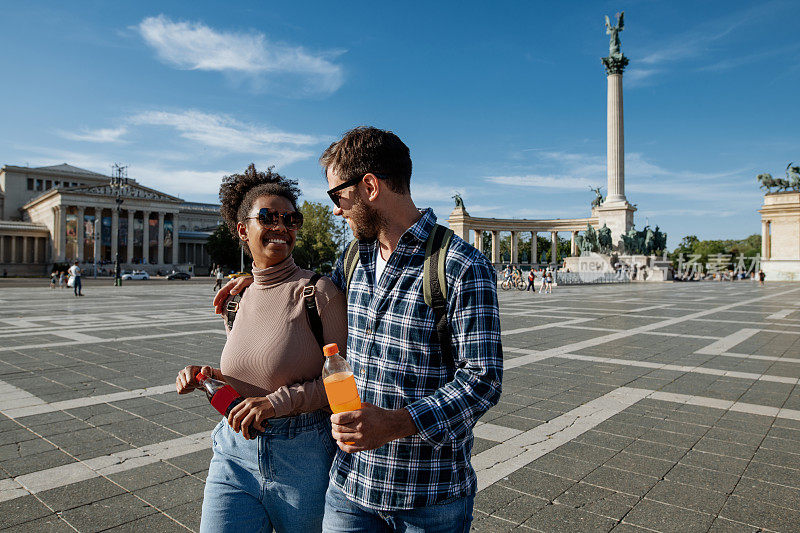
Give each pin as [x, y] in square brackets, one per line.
[238, 192]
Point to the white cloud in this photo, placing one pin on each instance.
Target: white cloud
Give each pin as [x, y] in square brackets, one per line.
[546, 182]
[103, 135]
[226, 133]
[195, 46]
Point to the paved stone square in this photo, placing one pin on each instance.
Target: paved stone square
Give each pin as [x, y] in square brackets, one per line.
[663, 407]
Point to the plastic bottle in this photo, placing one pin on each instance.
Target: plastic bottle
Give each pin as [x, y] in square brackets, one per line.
[340, 384]
[223, 398]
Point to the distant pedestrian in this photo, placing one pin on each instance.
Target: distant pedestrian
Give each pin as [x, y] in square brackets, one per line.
[218, 284]
[75, 272]
[531, 279]
[61, 282]
[761, 277]
[53, 279]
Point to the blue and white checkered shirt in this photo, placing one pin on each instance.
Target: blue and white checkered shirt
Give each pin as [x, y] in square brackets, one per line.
[394, 351]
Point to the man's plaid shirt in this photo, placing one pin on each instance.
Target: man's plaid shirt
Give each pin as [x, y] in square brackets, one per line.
[394, 351]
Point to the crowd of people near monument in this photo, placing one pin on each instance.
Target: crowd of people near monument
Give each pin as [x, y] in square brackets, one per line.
[415, 309]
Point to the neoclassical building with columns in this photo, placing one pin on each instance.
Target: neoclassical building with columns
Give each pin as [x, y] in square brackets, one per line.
[61, 213]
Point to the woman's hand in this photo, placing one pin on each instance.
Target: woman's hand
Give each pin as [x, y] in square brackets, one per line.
[232, 288]
[250, 411]
[186, 382]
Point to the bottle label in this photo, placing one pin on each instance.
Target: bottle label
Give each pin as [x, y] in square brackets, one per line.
[223, 398]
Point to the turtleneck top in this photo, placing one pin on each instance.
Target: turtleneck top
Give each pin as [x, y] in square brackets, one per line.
[271, 350]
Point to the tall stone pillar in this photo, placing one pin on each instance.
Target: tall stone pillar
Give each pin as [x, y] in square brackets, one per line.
[79, 234]
[114, 234]
[36, 257]
[145, 237]
[765, 244]
[615, 211]
[534, 247]
[129, 255]
[160, 238]
[514, 247]
[24, 249]
[554, 247]
[13, 249]
[495, 246]
[2, 249]
[98, 233]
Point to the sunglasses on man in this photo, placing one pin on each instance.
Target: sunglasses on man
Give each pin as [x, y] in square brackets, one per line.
[269, 218]
[333, 193]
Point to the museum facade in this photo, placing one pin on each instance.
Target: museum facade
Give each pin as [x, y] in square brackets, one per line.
[60, 214]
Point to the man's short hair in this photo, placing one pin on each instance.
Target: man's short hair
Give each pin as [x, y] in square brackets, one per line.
[365, 150]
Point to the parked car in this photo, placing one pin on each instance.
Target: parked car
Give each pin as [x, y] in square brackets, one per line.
[179, 275]
[136, 274]
[237, 275]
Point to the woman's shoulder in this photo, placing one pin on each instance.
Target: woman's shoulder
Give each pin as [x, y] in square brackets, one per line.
[324, 287]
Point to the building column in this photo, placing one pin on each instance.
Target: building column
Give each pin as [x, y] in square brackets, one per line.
[573, 247]
[176, 249]
[160, 256]
[60, 237]
[131, 215]
[79, 235]
[2, 249]
[114, 233]
[534, 247]
[13, 258]
[495, 246]
[24, 249]
[36, 258]
[514, 248]
[554, 247]
[98, 233]
[145, 237]
[478, 236]
[765, 240]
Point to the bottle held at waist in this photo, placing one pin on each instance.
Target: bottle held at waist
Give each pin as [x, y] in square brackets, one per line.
[223, 398]
[340, 384]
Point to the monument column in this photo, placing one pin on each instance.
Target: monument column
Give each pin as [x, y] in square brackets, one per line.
[765, 244]
[160, 237]
[615, 211]
[514, 247]
[495, 246]
[79, 236]
[534, 247]
[129, 255]
[554, 247]
[61, 232]
[478, 235]
[573, 249]
[176, 249]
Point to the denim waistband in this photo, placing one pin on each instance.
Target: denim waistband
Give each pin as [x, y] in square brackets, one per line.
[291, 425]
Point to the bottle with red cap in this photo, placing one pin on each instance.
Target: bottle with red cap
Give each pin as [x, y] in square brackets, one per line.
[223, 398]
[340, 384]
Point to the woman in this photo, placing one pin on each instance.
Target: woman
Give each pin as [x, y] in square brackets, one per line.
[277, 479]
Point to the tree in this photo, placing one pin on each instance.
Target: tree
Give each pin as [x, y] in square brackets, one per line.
[224, 248]
[321, 239]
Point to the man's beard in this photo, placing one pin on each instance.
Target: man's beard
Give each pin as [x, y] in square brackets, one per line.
[365, 221]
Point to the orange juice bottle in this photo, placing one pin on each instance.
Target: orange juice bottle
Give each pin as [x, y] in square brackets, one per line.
[340, 384]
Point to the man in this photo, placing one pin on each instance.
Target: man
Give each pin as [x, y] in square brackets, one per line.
[531, 279]
[219, 276]
[75, 272]
[404, 458]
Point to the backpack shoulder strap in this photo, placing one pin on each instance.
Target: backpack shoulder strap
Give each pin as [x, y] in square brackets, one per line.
[310, 299]
[231, 308]
[350, 262]
[434, 286]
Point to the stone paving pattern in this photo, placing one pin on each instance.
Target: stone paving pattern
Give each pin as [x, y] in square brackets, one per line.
[682, 464]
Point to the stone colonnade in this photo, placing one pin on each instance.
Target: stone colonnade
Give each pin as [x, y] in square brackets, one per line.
[63, 227]
[461, 223]
[24, 249]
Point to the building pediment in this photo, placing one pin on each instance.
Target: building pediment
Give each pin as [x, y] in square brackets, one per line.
[131, 190]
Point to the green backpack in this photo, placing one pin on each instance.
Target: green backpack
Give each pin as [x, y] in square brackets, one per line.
[434, 282]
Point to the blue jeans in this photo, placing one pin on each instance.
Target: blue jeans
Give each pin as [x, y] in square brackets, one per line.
[344, 516]
[77, 285]
[276, 481]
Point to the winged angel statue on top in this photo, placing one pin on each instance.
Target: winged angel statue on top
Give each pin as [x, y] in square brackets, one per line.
[615, 44]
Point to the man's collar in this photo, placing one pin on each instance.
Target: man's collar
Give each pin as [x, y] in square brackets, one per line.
[420, 230]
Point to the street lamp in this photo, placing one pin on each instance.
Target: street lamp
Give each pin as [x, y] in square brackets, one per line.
[118, 181]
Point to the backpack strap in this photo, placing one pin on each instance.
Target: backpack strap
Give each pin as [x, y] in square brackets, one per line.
[231, 308]
[311, 308]
[350, 262]
[434, 287]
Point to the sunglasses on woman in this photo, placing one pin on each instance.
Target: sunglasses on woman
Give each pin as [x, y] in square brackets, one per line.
[269, 218]
[334, 193]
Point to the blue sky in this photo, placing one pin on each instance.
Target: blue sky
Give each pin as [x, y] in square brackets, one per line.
[504, 102]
